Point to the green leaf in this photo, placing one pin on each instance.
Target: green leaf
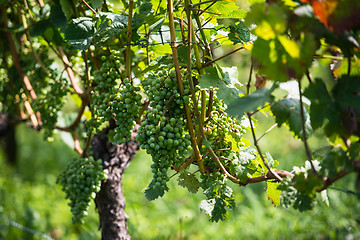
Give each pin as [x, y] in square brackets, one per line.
[157, 25]
[210, 79]
[321, 103]
[281, 59]
[96, 3]
[288, 111]
[273, 193]
[234, 143]
[226, 9]
[80, 32]
[67, 7]
[40, 27]
[250, 103]
[346, 92]
[57, 16]
[270, 20]
[110, 26]
[239, 33]
[152, 192]
[334, 161]
[189, 181]
[207, 206]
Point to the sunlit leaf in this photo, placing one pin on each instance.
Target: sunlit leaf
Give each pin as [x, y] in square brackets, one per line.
[250, 103]
[273, 193]
[288, 110]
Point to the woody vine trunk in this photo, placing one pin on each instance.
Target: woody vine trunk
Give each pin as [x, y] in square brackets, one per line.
[110, 200]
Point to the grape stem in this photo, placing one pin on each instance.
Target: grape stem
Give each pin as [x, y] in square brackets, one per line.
[128, 41]
[304, 137]
[181, 86]
[69, 71]
[259, 151]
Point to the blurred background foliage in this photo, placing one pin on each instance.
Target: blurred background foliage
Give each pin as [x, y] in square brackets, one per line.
[30, 197]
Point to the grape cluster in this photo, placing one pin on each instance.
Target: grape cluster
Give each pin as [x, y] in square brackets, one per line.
[50, 102]
[126, 110]
[114, 99]
[163, 132]
[105, 94]
[222, 131]
[81, 180]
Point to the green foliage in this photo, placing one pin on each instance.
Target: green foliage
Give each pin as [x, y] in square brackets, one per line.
[288, 110]
[190, 107]
[189, 181]
[250, 102]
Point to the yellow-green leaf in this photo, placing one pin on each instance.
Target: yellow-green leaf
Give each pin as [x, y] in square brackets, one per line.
[273, 193]
[290, 46]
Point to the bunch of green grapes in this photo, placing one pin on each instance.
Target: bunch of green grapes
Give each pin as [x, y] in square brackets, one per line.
[81, 180]
[163, 133]
[49, 103]
[104, 97]
[126, 109]
[114, 99]
[224, 133]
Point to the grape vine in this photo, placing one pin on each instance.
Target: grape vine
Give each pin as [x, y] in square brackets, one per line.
[192, 112]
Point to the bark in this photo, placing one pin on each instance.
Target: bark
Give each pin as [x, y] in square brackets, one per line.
[8, 138]
[110, 201]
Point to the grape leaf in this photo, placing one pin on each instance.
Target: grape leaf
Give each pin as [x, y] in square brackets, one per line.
[250, 103]
[321, 103]
[157, 25]
[225, 80]
[189, 181]
[239, 33]
[110, 26]
[226, 9]
[96, 3]
[210, 79]
[287, 110]
[80, 32]
[270, 20]
[152, 192]
[207, 206]
[273, 193]
[67, 7]
[337, 15]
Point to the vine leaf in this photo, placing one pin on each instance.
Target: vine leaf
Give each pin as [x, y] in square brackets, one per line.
[210, 79]
[320, 103]
[189, 181]
[287, 110]
[239, 33]
[110, 25]
[225, 80]
[96, 3]
[227, 9]
[152, 192]
[80, 32]
[157, 25]
[275, 55]
[273, 193]
[250, 103]
[207, 206]
[67, 7]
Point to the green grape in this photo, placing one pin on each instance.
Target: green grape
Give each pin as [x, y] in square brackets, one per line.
[50, 102]
[162, 133]
[112, 100]
[80, 181]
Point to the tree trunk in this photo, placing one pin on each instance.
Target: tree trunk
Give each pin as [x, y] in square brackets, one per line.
[8, 138]
[110, 200]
